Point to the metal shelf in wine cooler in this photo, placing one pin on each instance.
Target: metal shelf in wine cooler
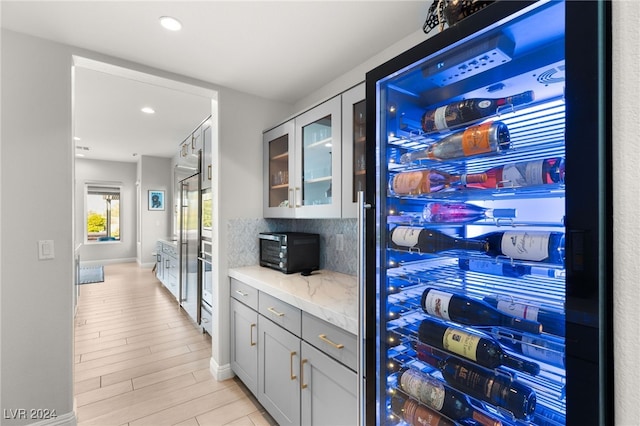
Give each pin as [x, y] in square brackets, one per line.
[405, 285]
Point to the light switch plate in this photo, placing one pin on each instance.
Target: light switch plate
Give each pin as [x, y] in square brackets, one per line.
[339, 242]
[45, 250]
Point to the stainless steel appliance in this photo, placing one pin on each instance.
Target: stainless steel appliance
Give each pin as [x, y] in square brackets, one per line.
[190, 245]
[290, 252]
[206, 288]
[465, 318]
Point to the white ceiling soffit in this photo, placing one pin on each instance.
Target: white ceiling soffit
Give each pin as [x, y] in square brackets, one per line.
[279, 50]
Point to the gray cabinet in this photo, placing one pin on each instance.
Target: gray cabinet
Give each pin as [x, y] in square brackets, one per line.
[167, 265]
[328, 390]
[278, 372]
[244, 344]
[301, 368]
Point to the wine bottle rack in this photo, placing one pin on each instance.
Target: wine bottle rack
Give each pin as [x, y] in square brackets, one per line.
[405, 285]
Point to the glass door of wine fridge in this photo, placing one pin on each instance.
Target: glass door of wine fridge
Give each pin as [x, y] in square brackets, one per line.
[491, 265]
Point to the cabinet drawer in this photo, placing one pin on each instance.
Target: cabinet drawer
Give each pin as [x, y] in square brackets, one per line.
[283, 314]
[244, 293]
[332, 340]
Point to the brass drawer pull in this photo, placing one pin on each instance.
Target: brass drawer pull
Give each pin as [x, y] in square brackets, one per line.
[273, 311]
[242, 293]
[323, 337]
[303, 385]
[293, 376]
[252, 343]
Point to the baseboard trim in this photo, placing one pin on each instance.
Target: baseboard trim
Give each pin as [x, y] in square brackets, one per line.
[67, 419]
[220, 372]
[106, 261]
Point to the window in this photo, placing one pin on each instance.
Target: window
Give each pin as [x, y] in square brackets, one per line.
[102, 213]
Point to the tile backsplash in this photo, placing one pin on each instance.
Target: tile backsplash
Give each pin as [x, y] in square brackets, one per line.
[243, 240]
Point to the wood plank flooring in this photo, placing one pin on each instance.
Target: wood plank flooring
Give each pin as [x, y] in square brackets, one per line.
[139, 360]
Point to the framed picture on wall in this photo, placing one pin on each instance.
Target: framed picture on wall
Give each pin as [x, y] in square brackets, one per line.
[156, 200]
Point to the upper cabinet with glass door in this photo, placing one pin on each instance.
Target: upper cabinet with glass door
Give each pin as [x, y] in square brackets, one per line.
[278, 165]
[302, 165]
[353, 148]
[318, 158]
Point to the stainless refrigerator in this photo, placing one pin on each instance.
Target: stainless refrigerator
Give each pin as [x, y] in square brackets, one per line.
[190, 246]
[487, 263]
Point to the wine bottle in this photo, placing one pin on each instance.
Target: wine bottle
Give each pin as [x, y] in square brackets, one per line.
[472, 345]
[437, 212]
[442, 398]
[525, 173]
[538, 246]
[505, 269]
[486, 385]
[419, 182]
[469, 110]
[545, 348]
[415, 413]
[423, 240]
[483, 138]
[552, 321]
[466, 310]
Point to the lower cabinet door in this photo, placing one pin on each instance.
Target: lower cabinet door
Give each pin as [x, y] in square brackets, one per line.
[279, 372]
[328, 390]
[244, 344]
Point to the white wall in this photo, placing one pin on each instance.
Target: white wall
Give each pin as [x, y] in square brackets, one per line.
[237, 167]
[626, 204]
[36, 202]
[154, 173]
[107, 171]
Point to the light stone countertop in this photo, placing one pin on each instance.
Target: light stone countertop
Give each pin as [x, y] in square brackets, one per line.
[328, 295]
[169, 241]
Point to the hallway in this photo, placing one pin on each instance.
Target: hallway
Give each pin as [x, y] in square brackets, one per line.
[139, 360]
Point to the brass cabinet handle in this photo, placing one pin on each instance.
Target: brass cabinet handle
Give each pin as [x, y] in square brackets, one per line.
[242, 293]
[252, 343]
[323, 337]
[292, 200]
[273, 311]
[209, 172]
[303, 385]
[293, 376]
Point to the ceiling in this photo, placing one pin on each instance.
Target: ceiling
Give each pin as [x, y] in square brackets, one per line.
[279, 50]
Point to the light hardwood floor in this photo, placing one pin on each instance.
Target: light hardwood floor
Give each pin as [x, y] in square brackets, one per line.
[139, 360]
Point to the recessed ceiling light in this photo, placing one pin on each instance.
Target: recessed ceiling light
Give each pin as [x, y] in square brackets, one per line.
[171, 24]
[148, 110]
[75, 138]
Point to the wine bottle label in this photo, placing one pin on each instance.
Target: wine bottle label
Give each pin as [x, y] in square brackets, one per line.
[476, 139]
[524, 174]
[437, 303]
[409, 183]
[525, 245]
[405, 236]
[425, 389]
[540, 350]
[461, 343]
[440, 118]
[519, 310]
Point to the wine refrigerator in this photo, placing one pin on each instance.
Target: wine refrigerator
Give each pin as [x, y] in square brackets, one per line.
[486, 223]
